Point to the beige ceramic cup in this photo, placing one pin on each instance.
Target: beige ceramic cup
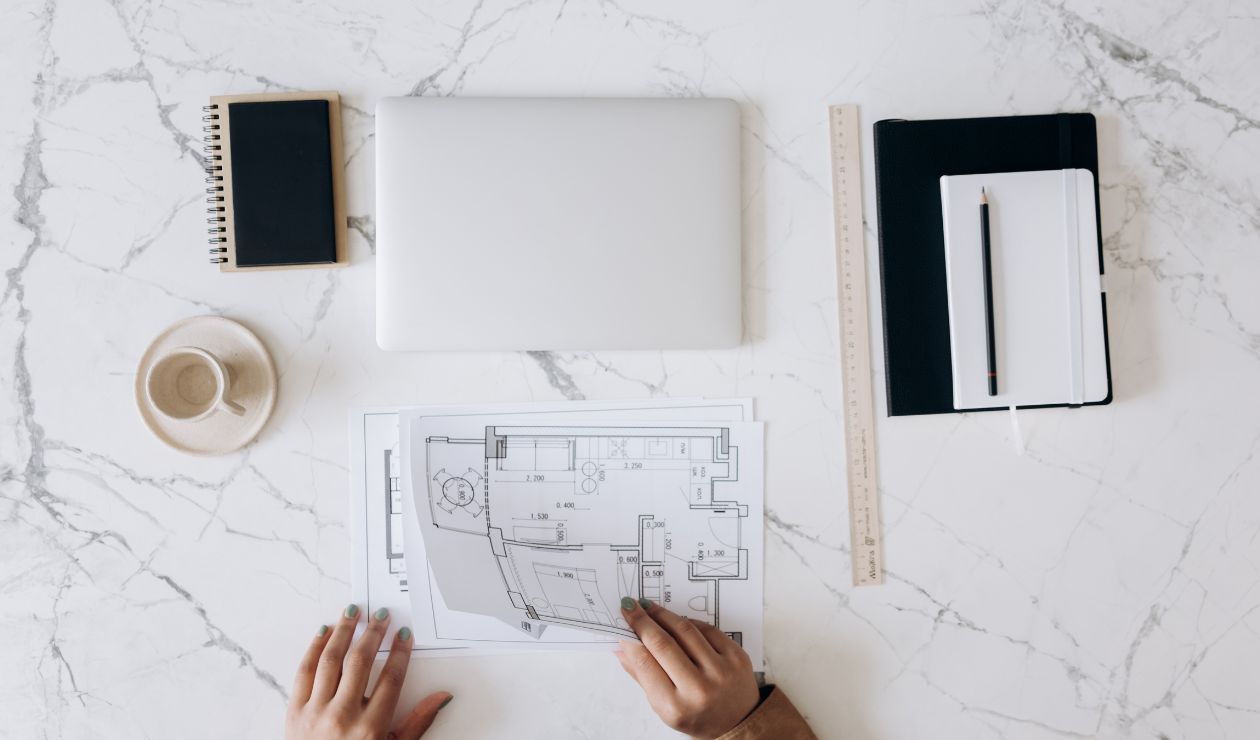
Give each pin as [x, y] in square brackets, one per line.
[190, 384]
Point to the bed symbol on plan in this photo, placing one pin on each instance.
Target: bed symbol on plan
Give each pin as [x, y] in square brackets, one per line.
[564, 522]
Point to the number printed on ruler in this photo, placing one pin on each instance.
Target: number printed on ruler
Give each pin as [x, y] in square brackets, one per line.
[855, 348]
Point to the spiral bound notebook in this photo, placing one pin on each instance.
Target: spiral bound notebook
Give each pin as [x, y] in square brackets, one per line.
[274, 181]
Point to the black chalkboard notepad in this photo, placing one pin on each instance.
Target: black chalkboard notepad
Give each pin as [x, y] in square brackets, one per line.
[274, 181]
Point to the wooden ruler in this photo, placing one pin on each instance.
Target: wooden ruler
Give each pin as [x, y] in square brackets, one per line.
[855, 348]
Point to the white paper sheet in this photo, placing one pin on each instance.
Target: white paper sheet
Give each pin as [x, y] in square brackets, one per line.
[379, 576]
[544, 524]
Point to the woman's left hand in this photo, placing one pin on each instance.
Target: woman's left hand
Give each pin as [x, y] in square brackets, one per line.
[329, 701]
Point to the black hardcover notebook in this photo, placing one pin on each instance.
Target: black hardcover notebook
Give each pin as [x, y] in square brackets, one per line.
[274, 166]
[910, 159]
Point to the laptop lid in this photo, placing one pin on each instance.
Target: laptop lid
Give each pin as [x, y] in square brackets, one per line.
[553, 224]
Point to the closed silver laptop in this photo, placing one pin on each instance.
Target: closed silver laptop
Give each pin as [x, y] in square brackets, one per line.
[567, 224]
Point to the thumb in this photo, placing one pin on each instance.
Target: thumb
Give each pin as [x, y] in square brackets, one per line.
[421, 717]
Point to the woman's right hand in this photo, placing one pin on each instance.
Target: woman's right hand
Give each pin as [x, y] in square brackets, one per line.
[697, 679]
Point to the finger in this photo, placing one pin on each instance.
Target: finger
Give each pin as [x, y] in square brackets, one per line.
[422, 716]
[685, 633]
[328, 671]
[358, 663]
[661, 644]
[389, 684]
[305, 678]
[643, 668]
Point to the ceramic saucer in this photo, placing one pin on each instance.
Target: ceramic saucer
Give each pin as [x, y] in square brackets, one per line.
[253, 386]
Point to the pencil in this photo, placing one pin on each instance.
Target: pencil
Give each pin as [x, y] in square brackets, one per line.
[987, 253]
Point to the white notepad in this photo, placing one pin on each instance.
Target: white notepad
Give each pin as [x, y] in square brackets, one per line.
[1047, 289]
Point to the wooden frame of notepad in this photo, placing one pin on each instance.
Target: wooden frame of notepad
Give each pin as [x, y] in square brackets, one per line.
[340, 234]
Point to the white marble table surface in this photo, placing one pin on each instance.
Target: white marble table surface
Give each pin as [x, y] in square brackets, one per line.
[1105, 584]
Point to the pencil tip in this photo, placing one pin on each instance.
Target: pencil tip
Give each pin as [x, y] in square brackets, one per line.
[984, 197]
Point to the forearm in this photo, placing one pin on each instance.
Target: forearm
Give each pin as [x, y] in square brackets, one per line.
[774, 718]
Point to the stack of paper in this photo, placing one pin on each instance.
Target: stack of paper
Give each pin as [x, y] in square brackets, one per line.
[522, 527]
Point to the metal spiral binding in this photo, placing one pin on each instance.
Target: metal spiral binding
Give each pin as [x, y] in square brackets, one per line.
[214, 184]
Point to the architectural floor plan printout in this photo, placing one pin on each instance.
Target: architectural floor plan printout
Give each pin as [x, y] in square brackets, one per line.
[379, 573]
[547, 523]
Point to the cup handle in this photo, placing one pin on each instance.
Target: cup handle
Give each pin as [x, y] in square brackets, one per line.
[232, 406]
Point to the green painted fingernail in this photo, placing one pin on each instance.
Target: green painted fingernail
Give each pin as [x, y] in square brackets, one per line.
[352, 611]
[323, 630]
[404, 634]
[445, 701]
[645, 603]
[627, 604]
[381, 614]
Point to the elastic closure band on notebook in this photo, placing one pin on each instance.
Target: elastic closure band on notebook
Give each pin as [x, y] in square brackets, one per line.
[1072, 268]
[1065, 140]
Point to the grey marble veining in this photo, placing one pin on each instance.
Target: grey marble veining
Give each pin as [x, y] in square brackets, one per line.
[1104, 584]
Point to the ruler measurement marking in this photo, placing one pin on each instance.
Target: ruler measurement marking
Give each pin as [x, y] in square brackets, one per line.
[865, 541]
